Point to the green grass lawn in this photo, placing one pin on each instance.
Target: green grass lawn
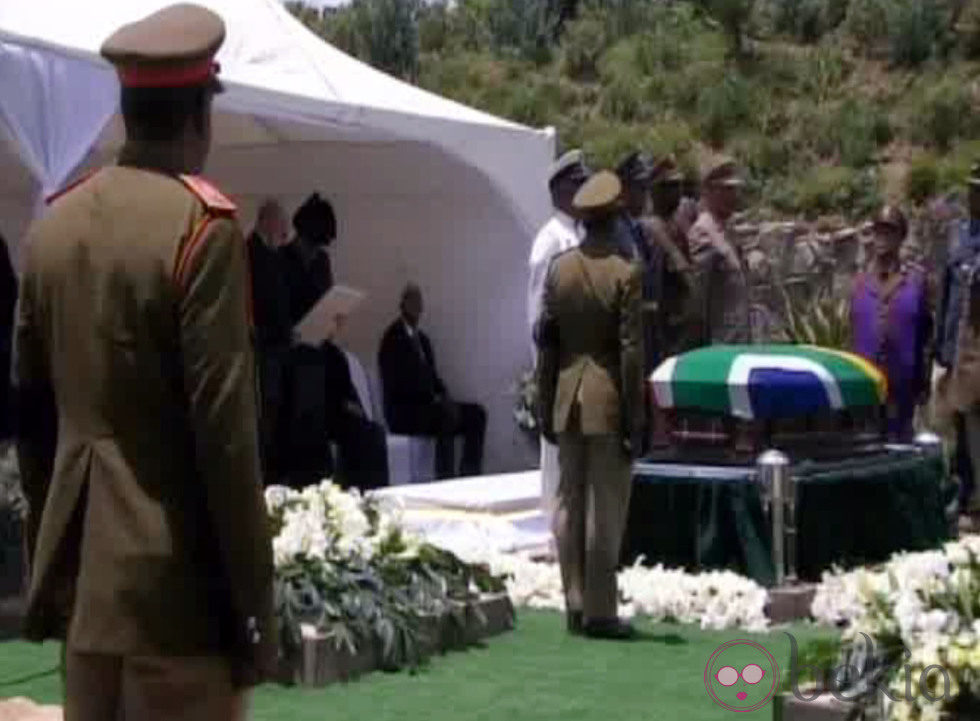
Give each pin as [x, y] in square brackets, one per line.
[536, 672]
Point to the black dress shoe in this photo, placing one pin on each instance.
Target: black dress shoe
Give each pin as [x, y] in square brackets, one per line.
[575, 623]
[613, 629]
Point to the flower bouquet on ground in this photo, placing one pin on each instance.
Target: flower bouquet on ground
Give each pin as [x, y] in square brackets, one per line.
[913, 626]
[346, 570]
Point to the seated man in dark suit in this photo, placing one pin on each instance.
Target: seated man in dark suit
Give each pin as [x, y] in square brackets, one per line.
[415, 398]
[362, 447]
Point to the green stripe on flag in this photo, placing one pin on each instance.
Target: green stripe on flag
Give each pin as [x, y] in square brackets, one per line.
[701, 378]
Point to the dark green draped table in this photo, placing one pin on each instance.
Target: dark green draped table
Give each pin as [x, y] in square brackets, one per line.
[848, 513]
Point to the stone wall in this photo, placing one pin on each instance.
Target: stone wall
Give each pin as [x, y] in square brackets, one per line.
[799, 261]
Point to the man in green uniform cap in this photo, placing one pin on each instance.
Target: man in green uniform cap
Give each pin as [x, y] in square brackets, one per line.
[677, 320]
[590, 370]
[720, 275]
[150, 545]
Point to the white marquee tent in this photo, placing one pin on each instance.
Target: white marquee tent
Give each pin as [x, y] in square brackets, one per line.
[424, 189]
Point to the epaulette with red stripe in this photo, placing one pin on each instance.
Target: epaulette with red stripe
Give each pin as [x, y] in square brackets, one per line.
[71, 186]
[214, 200]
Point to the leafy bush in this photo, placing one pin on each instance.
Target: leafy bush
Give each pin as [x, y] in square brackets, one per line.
[969, 29]
[830, 189]
[866, 23]
[852, 133]
[922, 179]
[824, 71]
[944, 114]
[384, 33]
[584, 43]
[733, 16]
[917, 31]
[805, 20]
[724, 108]
[623, 100]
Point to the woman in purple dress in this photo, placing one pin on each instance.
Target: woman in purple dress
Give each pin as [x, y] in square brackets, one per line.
[891, 319]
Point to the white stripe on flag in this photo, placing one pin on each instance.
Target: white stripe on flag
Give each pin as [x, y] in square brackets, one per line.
[663, 378]
[745, 363]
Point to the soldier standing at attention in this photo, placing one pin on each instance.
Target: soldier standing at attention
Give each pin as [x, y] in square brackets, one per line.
[151, 554]
[677, 318]
[590, 370]
[634, 175]
[720, 278]
[953, 331]
[562, 232]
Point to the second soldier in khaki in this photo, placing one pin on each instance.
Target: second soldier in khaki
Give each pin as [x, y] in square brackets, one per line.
[590, 371]
[720, 277]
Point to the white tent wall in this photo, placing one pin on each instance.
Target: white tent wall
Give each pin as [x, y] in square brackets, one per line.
[425, 190]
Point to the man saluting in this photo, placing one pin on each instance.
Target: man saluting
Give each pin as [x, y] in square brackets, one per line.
[150, 547]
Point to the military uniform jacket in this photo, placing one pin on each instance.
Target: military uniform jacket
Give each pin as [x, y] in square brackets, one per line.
[148, 528]
[678, 328]
[721, 281]
[591, 344]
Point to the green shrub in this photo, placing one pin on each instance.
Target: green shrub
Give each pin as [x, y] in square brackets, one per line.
[584, 43]
[762, 155]
[866, 23]
[944, 115]
[824, 71]
[969, 29]
[916, 31]
[852, 133]
[804, 20]
[922, 179]
[724, 108]
[830, 189]
[624, 100]
[733, 16]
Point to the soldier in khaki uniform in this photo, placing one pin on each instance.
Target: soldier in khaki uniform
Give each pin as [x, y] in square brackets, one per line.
[590, 368]
[677, 320]
[723, 291]
[151, 554]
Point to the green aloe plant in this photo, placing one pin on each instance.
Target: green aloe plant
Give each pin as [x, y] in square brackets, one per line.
[824, 320]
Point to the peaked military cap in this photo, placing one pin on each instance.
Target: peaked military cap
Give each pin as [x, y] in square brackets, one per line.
[570, 164]
[723, 172]
[891, 217]
[974, 178]
[634, 169]
[665, 171]
[599, 195]
[174, 47]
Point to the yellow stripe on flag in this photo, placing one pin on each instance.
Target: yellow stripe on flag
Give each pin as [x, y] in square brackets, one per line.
[873, 372]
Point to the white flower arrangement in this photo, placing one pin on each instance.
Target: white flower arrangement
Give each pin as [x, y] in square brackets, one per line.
[715, 600]
[326, 526]
[927, 603]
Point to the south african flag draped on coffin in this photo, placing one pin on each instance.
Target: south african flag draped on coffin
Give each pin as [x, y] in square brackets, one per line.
[767, 381]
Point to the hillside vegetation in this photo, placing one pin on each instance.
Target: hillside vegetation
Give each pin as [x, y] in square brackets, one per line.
[831, 105]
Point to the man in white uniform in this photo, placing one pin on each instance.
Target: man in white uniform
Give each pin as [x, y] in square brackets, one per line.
[556, 236]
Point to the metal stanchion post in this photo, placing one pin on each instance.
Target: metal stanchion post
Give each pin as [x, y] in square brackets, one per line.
[773, 473]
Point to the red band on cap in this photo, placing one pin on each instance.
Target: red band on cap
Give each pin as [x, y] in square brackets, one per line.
[143, 76]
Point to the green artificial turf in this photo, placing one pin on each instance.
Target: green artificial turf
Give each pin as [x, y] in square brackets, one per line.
[535, 672]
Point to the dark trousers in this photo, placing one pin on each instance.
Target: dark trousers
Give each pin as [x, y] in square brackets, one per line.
[362, 453]
[271, 366]
[444, 422]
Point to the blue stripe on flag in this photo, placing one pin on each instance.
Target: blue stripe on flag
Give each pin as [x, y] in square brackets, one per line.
[776, 393]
